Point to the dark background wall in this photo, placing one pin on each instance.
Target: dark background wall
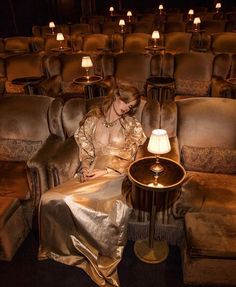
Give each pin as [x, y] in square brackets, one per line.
[20, 15]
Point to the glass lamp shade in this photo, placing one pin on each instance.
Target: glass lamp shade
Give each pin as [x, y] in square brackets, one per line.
[111, 9]
[86, 62]
[122, 22]
[218, 5]
[129, 14]
[159, 142]
[51, 25]
[160, 7]
[60, 37]
[196, 21]
[155, 35]
[190, 12]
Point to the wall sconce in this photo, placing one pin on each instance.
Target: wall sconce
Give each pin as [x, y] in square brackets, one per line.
[122, 24]
[196, 23]
[155, 36]
[60, 38]
[218, 6]
[158, 144]
[111, 9]
[190, 15]
[51, 26]
[87, 63]
[129, 15]
[161, 8]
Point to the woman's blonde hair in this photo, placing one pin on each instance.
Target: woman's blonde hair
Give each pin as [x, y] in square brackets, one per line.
[122, 89]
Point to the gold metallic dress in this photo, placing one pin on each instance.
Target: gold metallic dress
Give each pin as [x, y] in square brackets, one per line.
[85, 224]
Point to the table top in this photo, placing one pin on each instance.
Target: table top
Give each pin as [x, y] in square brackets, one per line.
[155, 49]
[61, 49]
[87, 80]
[160, 81]
[26, 80]
[140, 174]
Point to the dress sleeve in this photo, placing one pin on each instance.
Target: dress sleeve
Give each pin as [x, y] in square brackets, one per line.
[83, 137]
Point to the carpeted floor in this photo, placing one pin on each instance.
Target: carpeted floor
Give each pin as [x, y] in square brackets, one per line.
[26, 271]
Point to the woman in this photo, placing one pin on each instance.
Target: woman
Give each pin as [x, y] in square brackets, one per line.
[83, 222]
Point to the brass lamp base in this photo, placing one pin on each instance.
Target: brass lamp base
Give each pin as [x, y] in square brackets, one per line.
[157, 254]
[157, 167]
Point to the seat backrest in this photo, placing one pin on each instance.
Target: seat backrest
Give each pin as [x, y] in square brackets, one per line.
[25, 123]
[110, 27]
[193, 73]
[213, 26]
[79, 28]
[174, 27]
[17, 44]
[93, 42]
[136, 42]
[223, 42]
[193, 121]
[143, 27]
[51, 42]
[178, 42]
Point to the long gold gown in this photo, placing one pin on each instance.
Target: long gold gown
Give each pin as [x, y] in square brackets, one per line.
[85, 224]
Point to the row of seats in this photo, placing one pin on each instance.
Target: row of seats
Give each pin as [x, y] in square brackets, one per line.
[174, 42]
[144, 26]
[194, 74]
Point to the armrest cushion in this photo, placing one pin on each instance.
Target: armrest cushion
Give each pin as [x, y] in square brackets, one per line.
[65, 163]
[50, 87]
[220, 88]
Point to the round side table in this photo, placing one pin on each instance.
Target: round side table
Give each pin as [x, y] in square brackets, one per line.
[151, 250]
[162, 89]
[28, 82]
[88, 82]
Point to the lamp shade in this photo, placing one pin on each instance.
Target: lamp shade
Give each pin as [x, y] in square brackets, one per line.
[86, 62]
[218, 5]
[129, 13]
[122, 22]
[51, 25]
[155, 35]
[191, 12]
[60, 37]
[197, 20]
[160, 7]
[159, 142]
[111, 9]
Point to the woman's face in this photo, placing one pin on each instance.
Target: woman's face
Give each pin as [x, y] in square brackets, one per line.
[122, 107]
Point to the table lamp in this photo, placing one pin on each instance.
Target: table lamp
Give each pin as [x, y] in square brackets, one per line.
[158, 144]
[155, 36]
[129, 15]
[111, 9]
[190, 15]
[161, 8]
[52, 26]
[218, 6]
[122, 24]
[87, 63]
[60, 38]
[196, 23]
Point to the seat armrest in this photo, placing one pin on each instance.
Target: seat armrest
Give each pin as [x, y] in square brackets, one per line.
[50, 87]
[220, 88]
[65, 163]
[37, 166]
[2, 85]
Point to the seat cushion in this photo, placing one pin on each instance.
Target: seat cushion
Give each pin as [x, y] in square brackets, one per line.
[14, 180]
[207, 192]
[211, 235]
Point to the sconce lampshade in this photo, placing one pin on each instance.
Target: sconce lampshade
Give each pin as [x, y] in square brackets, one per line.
[218, 5]
[51, 25]
[111, 9]
[86, 62]
[159, 142]
[197, 20]
[191, 12]
[60, 37]
[155, 35]
[160, 7]
[122, 22]
[129, 13]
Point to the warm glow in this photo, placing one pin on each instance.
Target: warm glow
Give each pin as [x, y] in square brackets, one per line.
[111, 9]
[191, 12]
[51, 25]
[160, 7]
[60, 37]
[122, 22]
[155, 35]
[196, 21]
[129, 13]
[159, 142]
[86, 62]
[218, 5]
